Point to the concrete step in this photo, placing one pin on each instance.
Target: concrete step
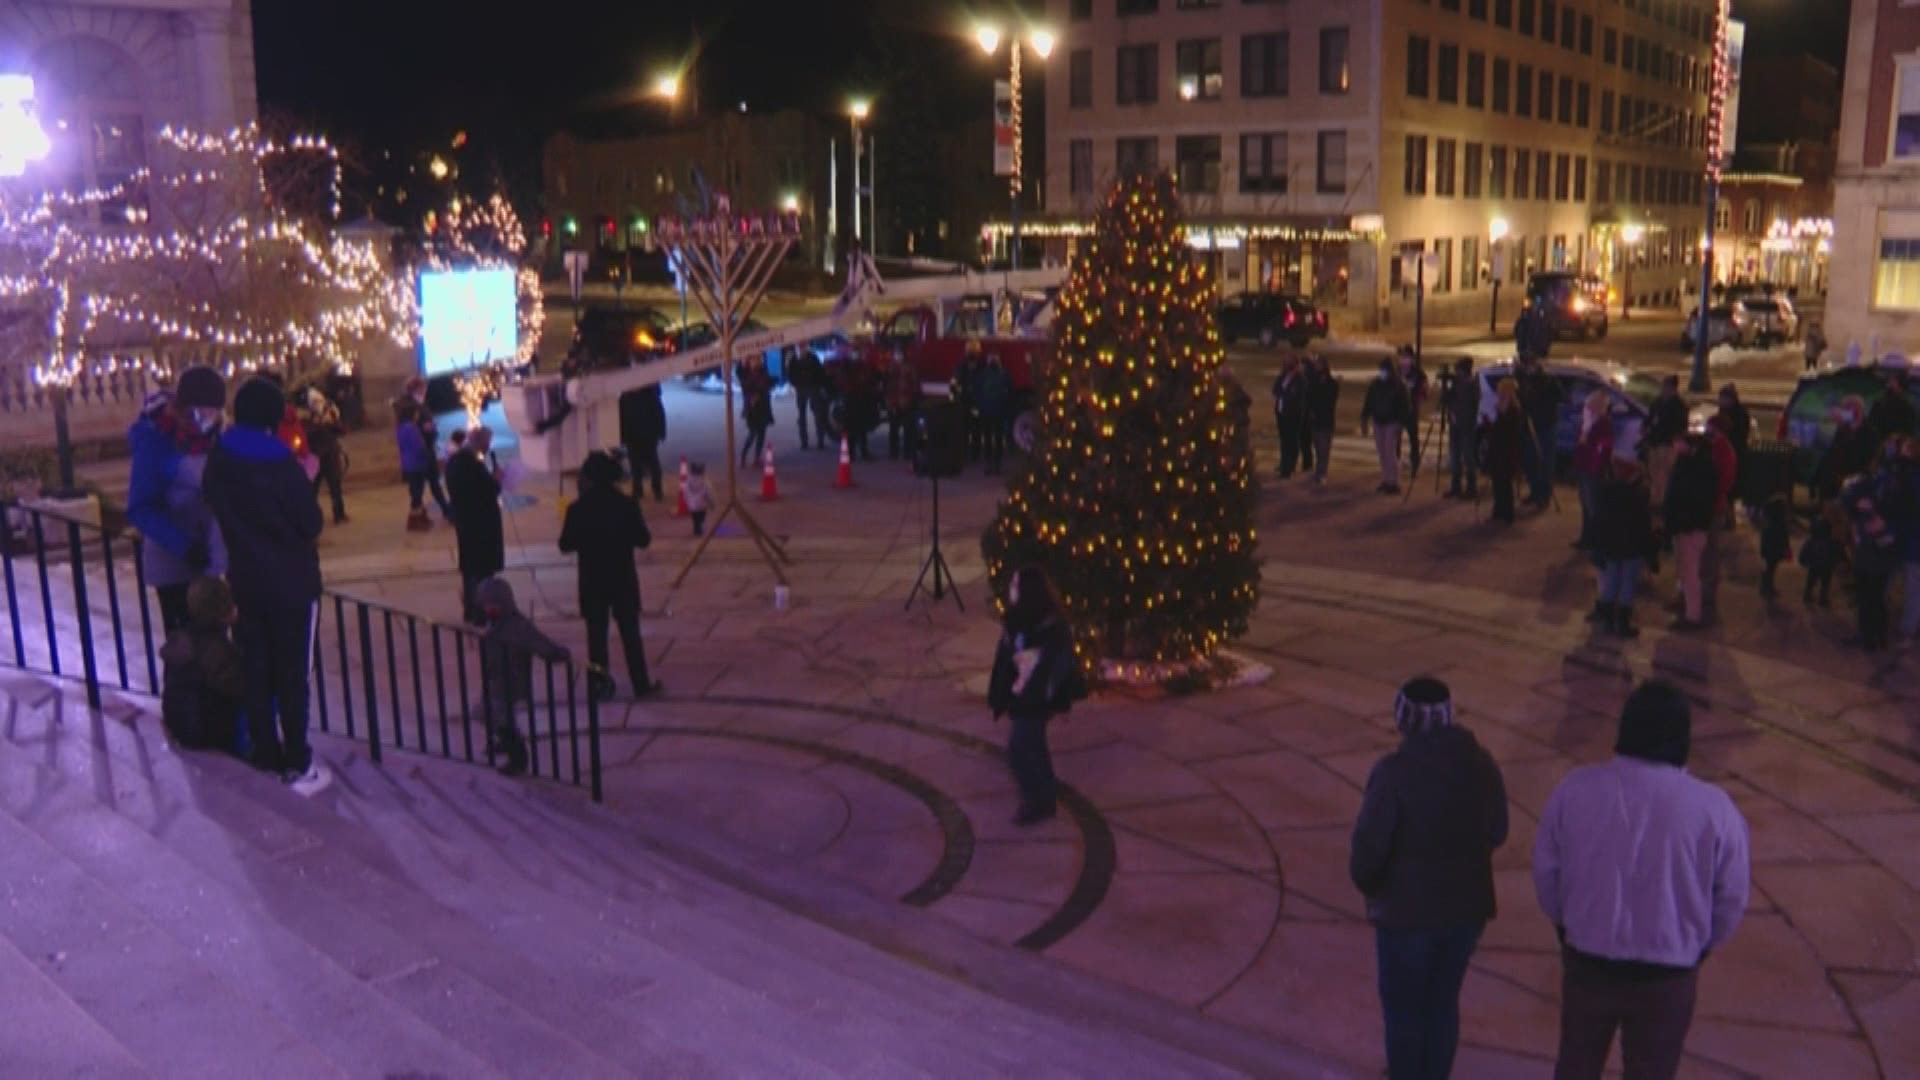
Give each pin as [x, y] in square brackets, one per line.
[432, 919]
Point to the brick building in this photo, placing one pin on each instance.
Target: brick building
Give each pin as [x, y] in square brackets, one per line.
[1875, 294]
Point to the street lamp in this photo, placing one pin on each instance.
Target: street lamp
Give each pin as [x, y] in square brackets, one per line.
[1041, 41]
[1716, 119]
[22, 140]
[1497, 231]
[667, 87]
[857, 112]
[1630, 235]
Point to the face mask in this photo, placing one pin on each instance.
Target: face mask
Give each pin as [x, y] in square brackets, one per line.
[207, 420]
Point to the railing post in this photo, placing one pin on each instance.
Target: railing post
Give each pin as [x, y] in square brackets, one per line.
[573, 723]
[13, 610]
[46, 592]
[419, 699]
[553, 723]
[393, 685]
[113, 609]
[593, 743]
[146, 613]
[83, 613]
[346, 669]
[368, 680]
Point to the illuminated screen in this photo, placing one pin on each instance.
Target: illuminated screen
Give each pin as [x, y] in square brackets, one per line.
[467, 318]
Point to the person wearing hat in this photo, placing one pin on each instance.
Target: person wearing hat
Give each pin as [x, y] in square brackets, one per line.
[170, 442]
[1643, 871]
[604, 528]
[480, 541]
[271, 523]
[1434, 810]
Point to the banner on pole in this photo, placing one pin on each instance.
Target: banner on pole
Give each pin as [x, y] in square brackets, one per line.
[1002, 127]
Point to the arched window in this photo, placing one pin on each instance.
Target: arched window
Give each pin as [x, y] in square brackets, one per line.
[90, 104]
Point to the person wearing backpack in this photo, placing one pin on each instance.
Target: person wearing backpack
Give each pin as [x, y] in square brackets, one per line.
[1036, 678]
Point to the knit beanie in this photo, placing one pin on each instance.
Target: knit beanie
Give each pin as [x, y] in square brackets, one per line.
[1424, 704]
[1656, 724]
[200, 387]
[259, 404]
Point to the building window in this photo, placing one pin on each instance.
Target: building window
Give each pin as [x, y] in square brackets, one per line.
[1197, 69]
[1140, 154]
[1635, 183]
[1080, 9]
[1443, 280]
[1562, 177]
[1469, 263]
[1473, 170]
[1626, 52]
[1448, 80]
[1196, 5]
[1526, 17]
[1450, 5]
[1906, 109]
[1403, 252]
[1549, 18]
[1723, 216]
[1263, 163]
[1542, 174]
[1137, 7]
[1560, 252]
[1138, 75]
[1523, 90]
[1522, 172]
[1586, 35]
[1415, 180]
[1606, 112]
[1197, 159]
[1750, 218]
[1445, 167]
[1543, 105]
[1330, 173]
[1566, 99]
[1503, 14]
[1418, 61]
[1602, 183]
[1080, 79]
[1567, 20]
[1263, 65]
[1502, 76]
[1477, 9]
[1497, 172]
[1336, 64]
[1580, 179]
[1477, 80]
[1080, 166]
[1609, 46]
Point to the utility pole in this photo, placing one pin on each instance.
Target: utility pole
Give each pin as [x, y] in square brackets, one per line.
[1716, 122]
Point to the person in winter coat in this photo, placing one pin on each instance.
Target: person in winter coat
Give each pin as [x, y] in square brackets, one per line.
[1533, 332]
[1621, 541]
[1850, 451]
[1819, 555]
[903, 409]
[1901, 500]
[1036, 677]
[1736, 423]
[1690, 515]
[1592, 457]
[479, 532]
[862, 393]
[1289, 412]
[993, 401]
[1386, 410]
[808, 379]
[1892, 415]
[1776, 541]
[1666, 426]
[507, 649]
[1726, 471]
[180, 540]
[756, 388]
[1463, 430]
[416, 463]
[206, 679]
[1540, 397]
[1323, 410]
[324, 433]
[604, 529]
[1643, 870]
[271, 524]
[416, 392]
[1815, 344]
[699, 497]
[1503, 445]
[1415, 378]
[1434, 811]
[1876, 555]
[643, 427]
[964, 391]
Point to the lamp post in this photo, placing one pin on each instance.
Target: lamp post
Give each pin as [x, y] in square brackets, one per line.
[857, 113]
[1716, 118]
[1041, 41]
[1630, 236]
[1497, 231]
[666, 89]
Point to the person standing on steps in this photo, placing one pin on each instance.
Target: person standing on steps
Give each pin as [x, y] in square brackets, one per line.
[1815, 344]
[1643, 871]
[1036, 677]
[479, 533]
[808, 379]
[1323, 410]
[1592, 456]
[415, 462]
[324, 432]
[165, 495]
[1386, 411]
[1540, 397]
[604, 529]
[430, 436]
[1689, 516]
[643, 427]
[1434, 812]
[993, 397]
[507, 649]
[1289, 412]
[271, 524]
[756, 388]
[1415, 377]
[1666, 427]
[903, 409]
[1622, 540]
[1463, 430]
[1503, 441]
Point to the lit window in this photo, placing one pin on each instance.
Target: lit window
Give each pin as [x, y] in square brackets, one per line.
[1906, 110]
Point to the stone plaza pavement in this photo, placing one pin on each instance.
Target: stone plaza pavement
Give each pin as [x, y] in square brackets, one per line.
[1202, 854]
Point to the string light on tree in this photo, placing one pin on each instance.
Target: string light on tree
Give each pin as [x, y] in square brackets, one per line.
[1139, 498]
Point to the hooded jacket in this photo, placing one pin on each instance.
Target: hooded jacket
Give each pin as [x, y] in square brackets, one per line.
[480, 535]
[1054, 685]
[643, 417]
[166, 503]
[1433, 813]
[1692, 493]
[604, 528]
[1623, 528]
[269, 518]
[507, 649]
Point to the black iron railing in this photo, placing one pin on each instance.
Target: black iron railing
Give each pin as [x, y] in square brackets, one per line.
[388, 678]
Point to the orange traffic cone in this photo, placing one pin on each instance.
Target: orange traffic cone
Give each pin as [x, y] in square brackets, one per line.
[844, 478]
[680, 497]
[769, 488]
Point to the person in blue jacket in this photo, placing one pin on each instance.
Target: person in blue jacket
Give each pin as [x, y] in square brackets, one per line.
[170, 442]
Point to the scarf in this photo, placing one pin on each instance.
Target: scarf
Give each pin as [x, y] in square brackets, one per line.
[185, 434]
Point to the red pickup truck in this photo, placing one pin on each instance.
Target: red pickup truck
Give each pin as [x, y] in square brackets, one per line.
[936, 353]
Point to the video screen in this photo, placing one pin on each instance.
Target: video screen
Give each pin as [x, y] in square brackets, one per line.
[468, 318]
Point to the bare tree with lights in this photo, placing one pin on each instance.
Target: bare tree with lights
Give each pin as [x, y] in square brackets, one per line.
[1139, 499]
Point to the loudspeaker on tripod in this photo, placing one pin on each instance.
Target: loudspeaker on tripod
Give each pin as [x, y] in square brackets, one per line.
[942, 449]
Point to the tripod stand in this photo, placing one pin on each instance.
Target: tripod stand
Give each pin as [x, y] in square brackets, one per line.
[936, 563]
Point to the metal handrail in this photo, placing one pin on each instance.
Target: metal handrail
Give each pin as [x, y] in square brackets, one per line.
[425, 663]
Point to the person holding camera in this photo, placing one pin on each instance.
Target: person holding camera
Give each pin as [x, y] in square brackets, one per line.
[1460, 397]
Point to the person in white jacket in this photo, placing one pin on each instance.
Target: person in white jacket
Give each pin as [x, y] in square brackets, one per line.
[1643, 869]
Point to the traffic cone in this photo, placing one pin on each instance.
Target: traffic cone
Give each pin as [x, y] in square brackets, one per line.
[680, 497]
[844, 478]
[769, 488]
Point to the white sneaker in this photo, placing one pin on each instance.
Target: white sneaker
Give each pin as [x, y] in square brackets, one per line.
[312, 782]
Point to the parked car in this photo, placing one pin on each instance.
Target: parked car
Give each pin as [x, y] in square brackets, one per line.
[1576, 305]
[610, 337]
[1807, 423]
[1727, 324]
[935, 351]
[1269, 318]
[1631, 394]
[1773, 318]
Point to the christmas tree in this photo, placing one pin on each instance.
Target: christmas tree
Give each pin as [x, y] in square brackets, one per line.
[1138, 501]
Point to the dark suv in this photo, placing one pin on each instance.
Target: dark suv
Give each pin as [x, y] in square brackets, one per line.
[1271, 317]
[607, 337]
[1576, 305]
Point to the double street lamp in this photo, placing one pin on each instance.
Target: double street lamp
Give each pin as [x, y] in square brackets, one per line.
[857, 112]
[1041, 41]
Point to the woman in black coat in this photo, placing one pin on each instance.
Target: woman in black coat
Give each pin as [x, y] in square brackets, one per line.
[1036, 677]
[604, 528]
[1622, 540]
[479, 534]
[1503, 444]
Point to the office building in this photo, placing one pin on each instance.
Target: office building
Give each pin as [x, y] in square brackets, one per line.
[1874, 298]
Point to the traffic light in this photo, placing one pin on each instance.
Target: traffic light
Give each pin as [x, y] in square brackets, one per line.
[573, 226]
[546, 228]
